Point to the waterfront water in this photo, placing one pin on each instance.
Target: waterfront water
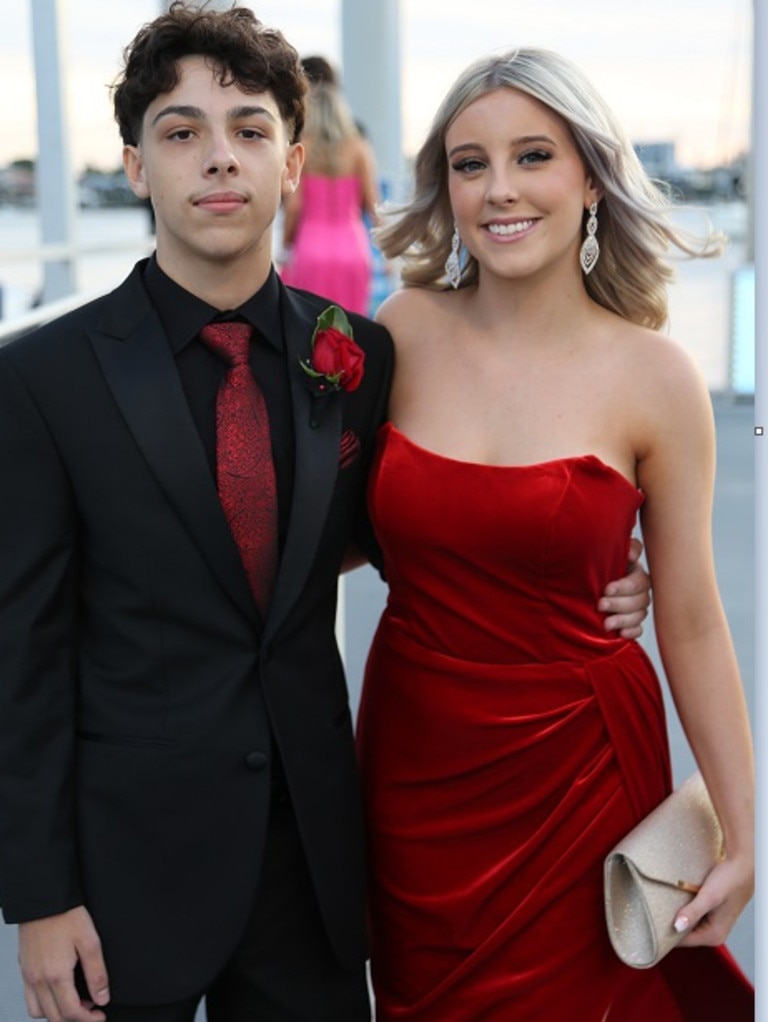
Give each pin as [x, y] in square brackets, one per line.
[700, 301]
[126, 233]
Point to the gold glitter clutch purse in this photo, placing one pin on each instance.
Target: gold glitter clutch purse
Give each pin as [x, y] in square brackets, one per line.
[656, 870]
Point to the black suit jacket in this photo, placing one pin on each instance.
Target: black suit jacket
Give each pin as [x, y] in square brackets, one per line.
[139, 686]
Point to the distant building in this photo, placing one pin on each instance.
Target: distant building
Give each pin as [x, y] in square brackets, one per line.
[97, 189]
[17, 183]
[658, 158]
[724, 182]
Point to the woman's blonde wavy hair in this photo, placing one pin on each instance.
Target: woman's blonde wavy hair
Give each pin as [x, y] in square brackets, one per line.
[635, 231]
[329, 123]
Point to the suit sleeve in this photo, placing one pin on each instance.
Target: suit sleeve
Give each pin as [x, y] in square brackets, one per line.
[378, 377]
[38, 628]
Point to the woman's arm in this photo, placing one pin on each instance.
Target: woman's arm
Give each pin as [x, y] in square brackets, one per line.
[676, 472]
[369, 185]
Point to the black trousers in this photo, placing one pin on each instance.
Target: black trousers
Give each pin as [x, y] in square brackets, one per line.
[283, 969]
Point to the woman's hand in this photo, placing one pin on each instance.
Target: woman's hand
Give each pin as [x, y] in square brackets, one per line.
[710, 917]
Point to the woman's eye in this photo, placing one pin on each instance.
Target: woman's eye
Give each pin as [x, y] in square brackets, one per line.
[535, 156]
[469, 165]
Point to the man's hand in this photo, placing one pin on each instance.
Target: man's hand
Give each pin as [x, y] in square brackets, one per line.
[627, 601]
[49, 950]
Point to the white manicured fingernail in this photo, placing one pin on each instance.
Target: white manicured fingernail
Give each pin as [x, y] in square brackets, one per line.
[681, 924]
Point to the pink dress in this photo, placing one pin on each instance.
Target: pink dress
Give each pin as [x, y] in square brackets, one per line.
[331, 253]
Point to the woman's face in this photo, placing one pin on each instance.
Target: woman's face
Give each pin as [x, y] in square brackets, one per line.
[517, 185]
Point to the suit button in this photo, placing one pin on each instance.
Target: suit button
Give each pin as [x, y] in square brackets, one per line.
[256, 760]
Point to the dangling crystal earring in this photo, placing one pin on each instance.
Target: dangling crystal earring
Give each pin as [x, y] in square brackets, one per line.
[590, 249]
[452, 263]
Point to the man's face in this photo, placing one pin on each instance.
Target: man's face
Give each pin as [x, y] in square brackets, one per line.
[215, 162]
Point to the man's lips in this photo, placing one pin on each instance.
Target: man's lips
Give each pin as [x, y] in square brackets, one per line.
[221, 202]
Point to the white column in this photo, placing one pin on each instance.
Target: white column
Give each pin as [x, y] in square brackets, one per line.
[54, 185]
[753, 138]
[759, 215]
[370, 36]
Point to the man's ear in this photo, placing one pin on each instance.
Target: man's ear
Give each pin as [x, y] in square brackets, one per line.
[133, 165]
[291, 176]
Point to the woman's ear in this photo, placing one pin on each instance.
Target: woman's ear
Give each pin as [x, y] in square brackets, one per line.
[593, 192]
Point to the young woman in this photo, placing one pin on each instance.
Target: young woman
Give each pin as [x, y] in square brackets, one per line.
[508, 741]
[325, 234]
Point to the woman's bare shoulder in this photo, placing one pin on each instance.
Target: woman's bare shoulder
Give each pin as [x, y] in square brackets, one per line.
[656, 384]
[662, 361]
[642, 353]
[399, 310]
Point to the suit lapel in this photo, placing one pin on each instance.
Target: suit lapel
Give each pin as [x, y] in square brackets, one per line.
[139, 368]
[317, 464]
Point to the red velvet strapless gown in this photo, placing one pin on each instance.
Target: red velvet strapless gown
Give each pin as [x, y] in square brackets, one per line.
[506, 742]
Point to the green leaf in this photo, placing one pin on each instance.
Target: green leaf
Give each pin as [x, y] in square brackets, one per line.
[334, 318]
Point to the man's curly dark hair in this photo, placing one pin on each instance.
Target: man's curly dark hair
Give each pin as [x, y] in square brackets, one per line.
[239, 47]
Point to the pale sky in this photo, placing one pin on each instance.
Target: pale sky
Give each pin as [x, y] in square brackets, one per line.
[671, 69]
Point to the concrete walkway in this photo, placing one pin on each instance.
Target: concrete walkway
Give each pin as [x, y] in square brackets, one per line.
[734, 548]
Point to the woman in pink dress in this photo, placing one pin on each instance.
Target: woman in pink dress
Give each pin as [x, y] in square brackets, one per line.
[325, 235]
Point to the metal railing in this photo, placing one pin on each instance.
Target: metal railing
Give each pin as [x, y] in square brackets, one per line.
[42, 314]
[14, 327]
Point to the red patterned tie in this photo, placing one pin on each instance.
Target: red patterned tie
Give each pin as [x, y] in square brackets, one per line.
[244, 469]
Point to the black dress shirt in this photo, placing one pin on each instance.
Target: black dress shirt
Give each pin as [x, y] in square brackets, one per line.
[183, 315]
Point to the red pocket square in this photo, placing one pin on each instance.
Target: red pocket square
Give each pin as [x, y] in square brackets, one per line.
[350, 448]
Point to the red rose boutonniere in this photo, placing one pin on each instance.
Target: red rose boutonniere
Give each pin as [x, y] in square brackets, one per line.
[336, 362]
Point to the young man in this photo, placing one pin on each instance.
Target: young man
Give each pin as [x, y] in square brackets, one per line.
[179, 806]
[154, 719]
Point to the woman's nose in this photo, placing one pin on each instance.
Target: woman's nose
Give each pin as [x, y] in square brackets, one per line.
[502, 188]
